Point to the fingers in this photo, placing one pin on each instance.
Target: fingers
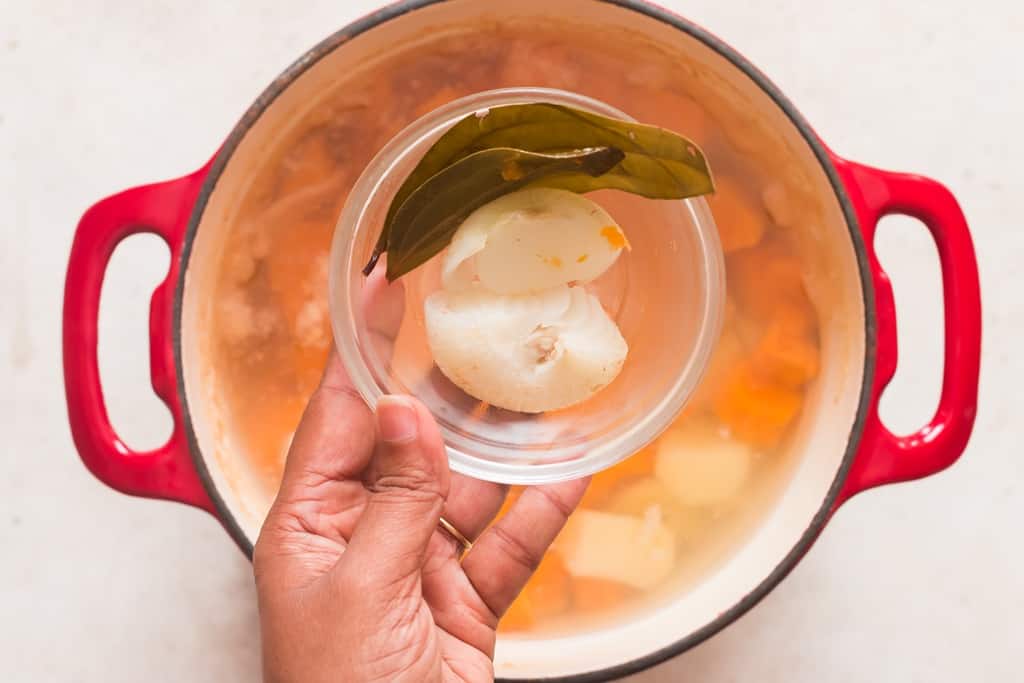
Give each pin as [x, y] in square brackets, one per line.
[472, 504]
[506, 555]
[321, 493]
[408, 480]
[334, 439]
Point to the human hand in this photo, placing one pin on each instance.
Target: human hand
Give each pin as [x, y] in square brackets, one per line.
[355, 579]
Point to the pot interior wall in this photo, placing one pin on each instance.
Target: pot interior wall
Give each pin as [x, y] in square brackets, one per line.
[753, 123]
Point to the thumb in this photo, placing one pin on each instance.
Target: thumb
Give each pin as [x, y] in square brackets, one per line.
[408, 479]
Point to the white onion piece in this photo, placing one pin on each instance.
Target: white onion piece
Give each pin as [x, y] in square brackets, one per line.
[532, 240]
[529, 353]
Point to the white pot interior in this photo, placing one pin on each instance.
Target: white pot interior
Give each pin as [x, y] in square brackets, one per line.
[754, 123]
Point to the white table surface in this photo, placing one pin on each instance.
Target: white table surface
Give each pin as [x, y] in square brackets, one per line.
[921, 582]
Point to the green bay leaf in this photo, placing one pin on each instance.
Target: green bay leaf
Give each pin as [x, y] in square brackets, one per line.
[657, 163]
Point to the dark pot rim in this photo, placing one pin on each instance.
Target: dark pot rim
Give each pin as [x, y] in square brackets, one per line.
[820, 518]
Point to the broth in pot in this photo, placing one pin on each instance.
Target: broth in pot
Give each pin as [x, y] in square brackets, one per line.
[662, 519]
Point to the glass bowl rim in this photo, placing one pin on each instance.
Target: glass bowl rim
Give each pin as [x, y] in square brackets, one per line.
[566, 464]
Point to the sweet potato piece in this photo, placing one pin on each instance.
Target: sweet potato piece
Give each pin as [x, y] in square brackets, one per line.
[606, 482]
[755, 410]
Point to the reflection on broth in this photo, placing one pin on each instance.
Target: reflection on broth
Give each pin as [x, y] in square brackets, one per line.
[662, 519]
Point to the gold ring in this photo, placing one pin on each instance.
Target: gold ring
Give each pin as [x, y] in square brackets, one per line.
[466, 544]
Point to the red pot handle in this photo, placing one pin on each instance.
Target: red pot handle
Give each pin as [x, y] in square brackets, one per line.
[165, 472]
[883, 457]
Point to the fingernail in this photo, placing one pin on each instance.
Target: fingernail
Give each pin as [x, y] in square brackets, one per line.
[396, 419]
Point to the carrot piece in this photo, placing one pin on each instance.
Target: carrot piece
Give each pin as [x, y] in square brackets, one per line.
[601, 487]
[786, 357]
[755, 410]
[639, 464]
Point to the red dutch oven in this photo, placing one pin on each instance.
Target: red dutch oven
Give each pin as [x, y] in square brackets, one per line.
[845, 449]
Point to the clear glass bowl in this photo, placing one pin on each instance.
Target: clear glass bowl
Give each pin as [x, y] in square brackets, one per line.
[666, 295]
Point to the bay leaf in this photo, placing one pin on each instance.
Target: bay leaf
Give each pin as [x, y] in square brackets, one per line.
[658, 163]
[425, 222]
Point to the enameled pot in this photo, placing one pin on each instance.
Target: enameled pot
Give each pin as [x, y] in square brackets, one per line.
[844, 448]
